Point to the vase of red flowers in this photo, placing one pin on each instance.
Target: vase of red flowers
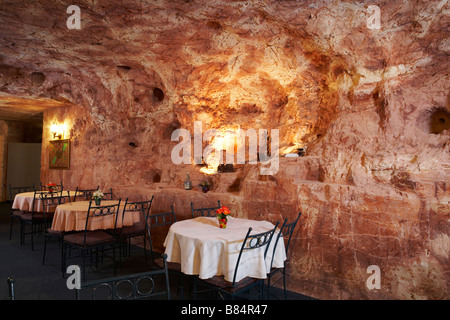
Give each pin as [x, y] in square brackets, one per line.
[222, 216]
[51, 187]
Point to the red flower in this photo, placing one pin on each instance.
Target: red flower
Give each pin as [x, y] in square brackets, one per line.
[222, 213]
[223, 210]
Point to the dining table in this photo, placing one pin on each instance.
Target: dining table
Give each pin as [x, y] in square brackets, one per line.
[24, 201]
[204, 249]
[72, 217]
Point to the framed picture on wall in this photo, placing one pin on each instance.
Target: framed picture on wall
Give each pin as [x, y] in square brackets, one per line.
[59, 154]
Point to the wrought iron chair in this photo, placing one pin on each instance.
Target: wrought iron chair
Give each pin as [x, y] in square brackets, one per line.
[139, 229]
[15, 214]
[160, 220]
[84, 194]
[35, 219]
[88, 240]
[204, 212]
[286, 232]
[108, 195]
[234, 288]
[50, 202]
[129, 287]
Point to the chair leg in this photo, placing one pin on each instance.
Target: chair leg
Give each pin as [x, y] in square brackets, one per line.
[22, 232]
[63, 258]
[61, 244]
[119, 244]
[145, 248]
[261, 293]
[181, 286]
[45, 249]
[194, 289]
[10, 227]
[114, 259]
[32, 238]
[83, 256]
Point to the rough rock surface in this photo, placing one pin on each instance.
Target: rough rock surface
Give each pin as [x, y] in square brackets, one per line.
[371, 107]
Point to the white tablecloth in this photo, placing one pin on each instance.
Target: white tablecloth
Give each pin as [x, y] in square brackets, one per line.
[24, 201]
[203, 249]
[72, 217]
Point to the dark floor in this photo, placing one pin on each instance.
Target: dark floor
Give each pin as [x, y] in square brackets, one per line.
[35, 281]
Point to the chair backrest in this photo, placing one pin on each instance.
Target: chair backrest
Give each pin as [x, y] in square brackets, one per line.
[129, 287]
[13, 191]
[254, 241]
[204, 212]
[101, 211]
[52, 200]
[36, 196]
[108, 195]
[161, 219]
[84, 194]
[286, 232]
[142, 206]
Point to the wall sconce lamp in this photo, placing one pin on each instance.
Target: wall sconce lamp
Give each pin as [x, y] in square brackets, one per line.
[57, 130]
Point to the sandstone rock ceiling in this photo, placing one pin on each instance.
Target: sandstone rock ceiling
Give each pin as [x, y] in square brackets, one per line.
[297, 66]
[25, 109]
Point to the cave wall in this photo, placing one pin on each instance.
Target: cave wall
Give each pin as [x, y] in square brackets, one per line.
[370, 106]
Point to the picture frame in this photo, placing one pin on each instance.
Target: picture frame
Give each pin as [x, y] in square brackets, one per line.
[59, 154]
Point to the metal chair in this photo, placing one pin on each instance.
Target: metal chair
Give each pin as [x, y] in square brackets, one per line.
[88, 240]
[108, 195]
[204, 212]
[286, 231]
[138, 229]
[33, 218]
[129, 287]
[84, 194]
[159, 220]
[50, 202]
[234, 288]
[15, 214]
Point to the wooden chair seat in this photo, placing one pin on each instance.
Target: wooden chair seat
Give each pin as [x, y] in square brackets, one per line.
[18, 213]
[35, 216]
[55, 233]
[93, 238]
[131, 231]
